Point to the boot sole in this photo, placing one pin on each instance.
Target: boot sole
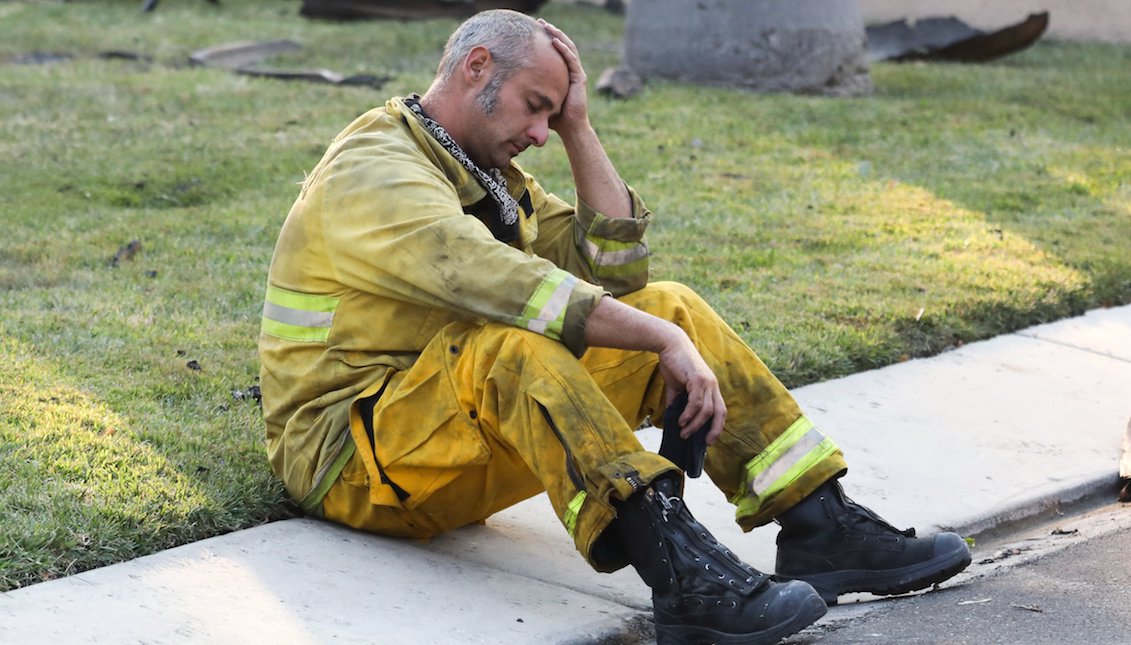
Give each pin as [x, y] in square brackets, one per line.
[810, 611]
[892, 581]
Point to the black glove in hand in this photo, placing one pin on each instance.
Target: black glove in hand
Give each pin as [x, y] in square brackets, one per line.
[688, 454]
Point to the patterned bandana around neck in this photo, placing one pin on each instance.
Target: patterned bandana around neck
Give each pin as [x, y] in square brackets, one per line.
[491, 181]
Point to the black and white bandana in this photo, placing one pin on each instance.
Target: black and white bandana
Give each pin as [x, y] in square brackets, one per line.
[492, 181]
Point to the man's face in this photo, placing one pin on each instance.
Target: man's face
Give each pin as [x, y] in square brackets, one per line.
[512, 114]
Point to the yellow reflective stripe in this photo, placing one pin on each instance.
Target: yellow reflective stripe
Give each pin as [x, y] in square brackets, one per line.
[572, 510]
[546, 309]
[611, 257]
[605, 252]
[303, 317]
[801, 447]
[303, 301]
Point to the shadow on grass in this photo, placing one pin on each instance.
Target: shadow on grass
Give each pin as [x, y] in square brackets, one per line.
[82, 486]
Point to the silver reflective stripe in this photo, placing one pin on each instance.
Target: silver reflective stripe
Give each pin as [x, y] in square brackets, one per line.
[787, 460]
[636, 252]
[297, 317]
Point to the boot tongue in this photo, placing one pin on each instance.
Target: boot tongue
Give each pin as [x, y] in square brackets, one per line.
[857, 514]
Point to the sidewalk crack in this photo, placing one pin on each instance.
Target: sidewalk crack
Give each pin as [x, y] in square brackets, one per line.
[1072, 346]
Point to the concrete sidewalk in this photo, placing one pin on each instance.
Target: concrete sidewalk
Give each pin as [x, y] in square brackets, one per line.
[994, 431]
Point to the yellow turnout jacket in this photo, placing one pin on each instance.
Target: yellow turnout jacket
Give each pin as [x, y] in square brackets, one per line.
[385, 245]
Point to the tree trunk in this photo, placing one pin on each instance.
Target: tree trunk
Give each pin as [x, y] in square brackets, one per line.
[805, 46]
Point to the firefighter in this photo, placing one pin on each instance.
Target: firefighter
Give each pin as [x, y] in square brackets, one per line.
[443, 338]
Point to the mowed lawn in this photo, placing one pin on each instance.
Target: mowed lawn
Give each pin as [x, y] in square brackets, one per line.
[956, 203]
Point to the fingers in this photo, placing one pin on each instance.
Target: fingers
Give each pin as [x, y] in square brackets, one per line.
[683, 369]
[718, 419]
[566, 47]
[704, 404]
[558, 34]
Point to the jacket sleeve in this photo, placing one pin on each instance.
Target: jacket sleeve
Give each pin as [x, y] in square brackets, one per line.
[397, 230]
[611, 252]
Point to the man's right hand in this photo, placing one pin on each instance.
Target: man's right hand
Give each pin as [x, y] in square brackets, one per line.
[683, 369]
[615, 324]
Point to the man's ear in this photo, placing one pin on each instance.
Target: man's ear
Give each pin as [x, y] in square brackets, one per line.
[477, 65]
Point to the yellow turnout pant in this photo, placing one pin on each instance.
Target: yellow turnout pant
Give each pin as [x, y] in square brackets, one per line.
[490, 415]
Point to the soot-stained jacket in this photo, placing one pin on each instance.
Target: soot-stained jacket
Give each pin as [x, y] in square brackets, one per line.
[390, 240]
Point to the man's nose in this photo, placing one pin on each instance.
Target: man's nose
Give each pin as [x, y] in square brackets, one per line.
[539, 133]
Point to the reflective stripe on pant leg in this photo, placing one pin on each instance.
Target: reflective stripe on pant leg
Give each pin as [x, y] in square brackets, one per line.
[572, 510]
[799, 451]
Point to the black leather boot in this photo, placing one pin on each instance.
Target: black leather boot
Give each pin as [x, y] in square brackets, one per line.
[701, 592]
[839, 546]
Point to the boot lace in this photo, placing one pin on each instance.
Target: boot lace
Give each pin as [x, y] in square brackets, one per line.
[859, 514]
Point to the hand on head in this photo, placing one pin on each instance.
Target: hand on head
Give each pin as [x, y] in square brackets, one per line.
[575, 108]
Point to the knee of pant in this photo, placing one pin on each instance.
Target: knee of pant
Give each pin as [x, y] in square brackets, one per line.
[664, 296]
[513, 340]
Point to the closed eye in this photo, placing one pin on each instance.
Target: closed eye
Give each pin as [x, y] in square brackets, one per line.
[540, 102]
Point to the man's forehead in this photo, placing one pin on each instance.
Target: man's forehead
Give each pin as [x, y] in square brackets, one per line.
[547, 75]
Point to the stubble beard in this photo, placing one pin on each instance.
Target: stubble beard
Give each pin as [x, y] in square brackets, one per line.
[488, 98]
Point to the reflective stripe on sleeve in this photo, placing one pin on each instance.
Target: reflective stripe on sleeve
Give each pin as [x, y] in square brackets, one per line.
[801, 447]
[610, 257]
[572, 511]
[303, 317]
[546, 309]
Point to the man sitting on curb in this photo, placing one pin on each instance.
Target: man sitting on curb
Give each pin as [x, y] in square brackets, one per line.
[442, 338]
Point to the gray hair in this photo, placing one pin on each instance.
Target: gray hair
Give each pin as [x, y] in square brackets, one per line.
[506, 34]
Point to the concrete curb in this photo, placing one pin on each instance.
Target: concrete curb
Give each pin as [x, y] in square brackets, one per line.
[1014, 517]
[985, 436]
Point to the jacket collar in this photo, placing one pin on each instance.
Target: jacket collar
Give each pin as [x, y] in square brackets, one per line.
[467, 187]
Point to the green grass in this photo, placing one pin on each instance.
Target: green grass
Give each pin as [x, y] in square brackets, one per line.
[957, 203]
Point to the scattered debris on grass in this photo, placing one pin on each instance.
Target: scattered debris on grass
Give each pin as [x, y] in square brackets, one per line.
[250, 394]
[619, 82]
[318, 76]
[41, 58]
[119, 54]
[241, 58]
[235, 55]
[194, 365]
[150, 5]
[409, 9]
[950, 39]
[238, 57]
[126, 253]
